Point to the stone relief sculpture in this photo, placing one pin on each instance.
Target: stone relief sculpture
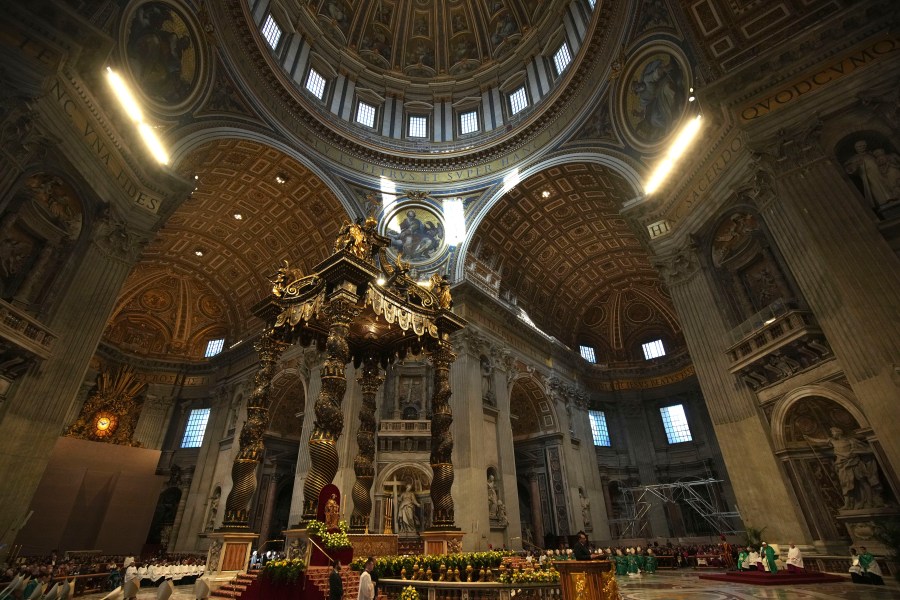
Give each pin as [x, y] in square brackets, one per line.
[487, 381]
[856, 469]
[213, 510]
[585, 509]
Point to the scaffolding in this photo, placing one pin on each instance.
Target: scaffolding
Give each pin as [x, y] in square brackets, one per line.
[700, 495]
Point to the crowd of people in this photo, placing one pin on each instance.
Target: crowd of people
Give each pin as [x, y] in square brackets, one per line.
[112, 570]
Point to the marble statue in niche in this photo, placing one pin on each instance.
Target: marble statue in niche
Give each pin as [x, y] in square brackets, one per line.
[487, 381]
[213, 510]
[407, 504]
[585, 509]
[496, 507]
[856, 468]
[875, 169]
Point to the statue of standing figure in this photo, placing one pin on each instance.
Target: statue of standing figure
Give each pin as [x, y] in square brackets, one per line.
[493, 498]
[406, 510]
[856, 469]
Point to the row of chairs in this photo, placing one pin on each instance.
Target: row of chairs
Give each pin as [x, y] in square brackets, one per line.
[17, 587]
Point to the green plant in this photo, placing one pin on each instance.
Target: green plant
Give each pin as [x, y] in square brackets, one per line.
[753, 537]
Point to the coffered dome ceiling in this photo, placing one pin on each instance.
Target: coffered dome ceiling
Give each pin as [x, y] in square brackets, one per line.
[422, 39]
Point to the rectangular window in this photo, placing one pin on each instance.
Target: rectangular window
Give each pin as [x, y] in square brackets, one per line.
[213, 347]
[587, 353]
[365, 114]
[196, 428]
[518, 100]
[675, 422]
[468, 122]
[315, 83]
[271, 31]
[562, 58]
[654, 349]
[418, 127]
[598, 428]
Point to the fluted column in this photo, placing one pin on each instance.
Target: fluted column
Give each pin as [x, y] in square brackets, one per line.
[185, 487]
[441, 438]
[329, 421]
[537, 519]
[364, 464]
[250, 452]
[846, 270]
[36, 410]
[760, 484]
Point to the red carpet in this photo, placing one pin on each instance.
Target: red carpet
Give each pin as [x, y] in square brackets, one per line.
[780, 578]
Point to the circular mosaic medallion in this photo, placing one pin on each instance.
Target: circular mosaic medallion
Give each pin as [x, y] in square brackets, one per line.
[163, 54]
[417, 232]
[653, 95]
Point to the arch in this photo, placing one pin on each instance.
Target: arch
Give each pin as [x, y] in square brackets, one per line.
[287, 403]
[388, 474]
[619, 165]
[184, 146]
[531, 409]
[831, 391]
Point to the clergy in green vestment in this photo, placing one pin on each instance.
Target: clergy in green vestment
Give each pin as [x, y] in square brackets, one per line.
[767, 553]
[743, 555]
[632, 563]
[639, 556]
[650, 562]
[871, 572]
[621, 564]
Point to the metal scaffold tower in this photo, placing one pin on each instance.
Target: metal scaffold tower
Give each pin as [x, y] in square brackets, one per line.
[700, 495]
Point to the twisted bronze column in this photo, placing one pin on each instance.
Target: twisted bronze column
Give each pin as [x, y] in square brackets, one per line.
[364, 463]
[329, 422]
[243, 471]
[441, 438]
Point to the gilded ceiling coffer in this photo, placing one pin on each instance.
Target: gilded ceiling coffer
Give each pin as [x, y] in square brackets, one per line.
[360, 305]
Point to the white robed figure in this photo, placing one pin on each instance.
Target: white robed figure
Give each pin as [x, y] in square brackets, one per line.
[794, 559]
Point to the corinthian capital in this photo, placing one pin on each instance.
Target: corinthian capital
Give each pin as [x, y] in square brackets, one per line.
[678, 268]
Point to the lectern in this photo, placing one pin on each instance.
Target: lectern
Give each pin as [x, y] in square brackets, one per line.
[587, 579]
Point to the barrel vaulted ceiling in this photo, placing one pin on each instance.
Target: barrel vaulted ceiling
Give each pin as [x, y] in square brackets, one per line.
[176, 299]
[570, 260]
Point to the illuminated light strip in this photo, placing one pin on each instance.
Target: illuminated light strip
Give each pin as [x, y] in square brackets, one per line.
[455, 219]
[676, 150]
[133, 109]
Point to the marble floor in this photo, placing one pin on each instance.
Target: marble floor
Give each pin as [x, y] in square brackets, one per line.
[686, 585]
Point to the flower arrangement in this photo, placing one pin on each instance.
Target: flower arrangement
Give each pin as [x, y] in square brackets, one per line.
[332, 541]
[391, 567]
[409, 593]
[547, 575]
[284, 571]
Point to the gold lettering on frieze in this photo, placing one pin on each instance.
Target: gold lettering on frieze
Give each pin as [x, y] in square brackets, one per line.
[860, 58]
[96, 142]
[649, 382]
[701, 184]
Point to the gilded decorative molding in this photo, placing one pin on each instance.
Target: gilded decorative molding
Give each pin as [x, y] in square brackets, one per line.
[110, 414]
